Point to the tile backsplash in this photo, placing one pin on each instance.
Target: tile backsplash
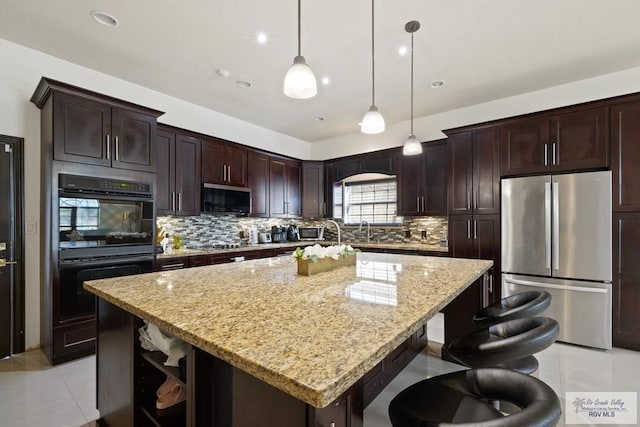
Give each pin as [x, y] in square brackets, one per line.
[207, 230]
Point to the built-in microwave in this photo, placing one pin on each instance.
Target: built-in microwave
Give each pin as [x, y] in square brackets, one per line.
[310, 233]
[226, 199]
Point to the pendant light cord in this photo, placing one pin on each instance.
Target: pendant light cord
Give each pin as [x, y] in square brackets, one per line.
[411, 83]
[299, 37]
[373, 59]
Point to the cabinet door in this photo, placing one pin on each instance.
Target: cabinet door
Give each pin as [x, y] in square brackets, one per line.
[460, 173]
[626, 280]
[625, 137]
[133, 140]
[525, 147]
[460, 236]
[236, 163]
[486, 245]
[579, 140]
[213, 162]
[486, 171]
[313, 190]
[81, 130]
[277, 188]
[187, 175]
[347, 168]
[293, 185]
[435, 179]
[410, 186]
[258, 181]
[380, 163]
[165, 178]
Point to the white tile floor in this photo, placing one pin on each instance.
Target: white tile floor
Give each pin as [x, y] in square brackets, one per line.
[33, 393]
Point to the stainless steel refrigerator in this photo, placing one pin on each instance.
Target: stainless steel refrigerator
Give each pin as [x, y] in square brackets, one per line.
[556, 236]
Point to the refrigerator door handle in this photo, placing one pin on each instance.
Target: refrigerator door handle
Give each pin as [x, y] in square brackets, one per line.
[561, 287]
[556, 226]
[547, 225]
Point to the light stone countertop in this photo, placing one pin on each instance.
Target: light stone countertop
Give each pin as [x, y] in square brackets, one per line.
[175, 253]
[310, 336]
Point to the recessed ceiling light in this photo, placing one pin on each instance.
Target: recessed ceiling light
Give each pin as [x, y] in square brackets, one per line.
[262, 38]
[221, 72]
[437, 83]
[318, 118]
[104, 18]
[403, 50]
[243, 83]
[326, 80]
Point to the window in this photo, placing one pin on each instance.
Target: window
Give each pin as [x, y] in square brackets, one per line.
[79, 214]
[366, 200]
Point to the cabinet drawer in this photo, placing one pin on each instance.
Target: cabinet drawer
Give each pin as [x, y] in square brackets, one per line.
[75, 339]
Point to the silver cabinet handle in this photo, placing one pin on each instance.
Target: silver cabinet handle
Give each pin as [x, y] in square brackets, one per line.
[475, 199]
[108, 147]
[229, 173]
[547, 225]
[117, 148]
[173, 200]
[491, 283]
[172, 266]
[224, 172]
[324, 208]
[468, 229]
[546, 155]
[180, 201]
[555, 208]
[417, 203]
[332, 424]
[468, 199]
[422, 203]
[553, 153]
[475, 229]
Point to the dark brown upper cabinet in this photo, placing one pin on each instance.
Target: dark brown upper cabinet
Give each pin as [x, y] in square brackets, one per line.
[223, 163]
[178, 177]
[422, 187]
[564, 142]
[284, 188]
[94, 129]
[313, 205]
[625, 137]
[95, 133]
[258, 182]
[474, 172]
[385, 162]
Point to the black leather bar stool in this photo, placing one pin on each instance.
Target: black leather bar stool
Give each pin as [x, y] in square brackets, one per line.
[509, 345]
[517, 306]
[465, 398]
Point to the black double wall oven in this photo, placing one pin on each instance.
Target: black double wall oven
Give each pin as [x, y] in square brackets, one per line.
[105, 230]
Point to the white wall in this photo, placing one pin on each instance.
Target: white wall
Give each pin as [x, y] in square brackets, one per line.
[21, 69]
[429, 128]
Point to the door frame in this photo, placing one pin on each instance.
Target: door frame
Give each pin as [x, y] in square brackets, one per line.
[17, 147]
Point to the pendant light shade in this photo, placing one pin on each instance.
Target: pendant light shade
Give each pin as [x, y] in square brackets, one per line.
[300, 82]
[373, 122]
[412, 146]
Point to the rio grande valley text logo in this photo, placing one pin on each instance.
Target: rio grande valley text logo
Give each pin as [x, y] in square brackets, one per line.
[601, 407]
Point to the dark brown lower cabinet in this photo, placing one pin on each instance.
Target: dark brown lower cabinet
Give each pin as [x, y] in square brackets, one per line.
[626, 280]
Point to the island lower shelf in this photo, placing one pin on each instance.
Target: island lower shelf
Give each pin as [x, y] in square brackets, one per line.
[217, 393]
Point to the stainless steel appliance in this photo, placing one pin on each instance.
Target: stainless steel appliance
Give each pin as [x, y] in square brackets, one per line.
[310, 233]
[226, 199]
[556, 236]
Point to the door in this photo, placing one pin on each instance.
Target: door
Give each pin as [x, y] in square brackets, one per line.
[526, 225]
[11, 248]
[625, 156]
[410, 185]
[166, 176]
[486, 171]
[258, 181]
[213, 162]
[525, 147]
[277, 185]
[187, 175]
[460, 173]
[236, 163]
[133, 140]
[293, 184]
[435, 179]
[582, 226]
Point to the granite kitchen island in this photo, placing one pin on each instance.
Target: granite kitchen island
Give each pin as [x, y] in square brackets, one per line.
[267, 346]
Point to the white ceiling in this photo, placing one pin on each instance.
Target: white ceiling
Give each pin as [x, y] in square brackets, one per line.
[483, 49]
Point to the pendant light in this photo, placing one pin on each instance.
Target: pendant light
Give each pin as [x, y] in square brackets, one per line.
[412, 146]
[373, 122]
[300, 82]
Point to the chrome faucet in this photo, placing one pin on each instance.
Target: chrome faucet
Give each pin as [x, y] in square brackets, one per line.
[368, 229]
[324, 225]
